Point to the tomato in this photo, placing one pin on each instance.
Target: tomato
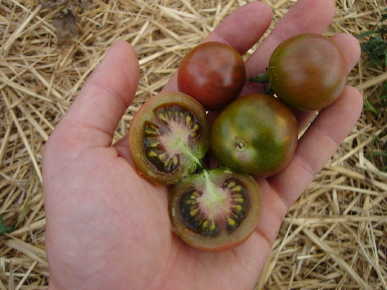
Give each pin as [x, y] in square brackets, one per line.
[255, 134]
[307, 72]
[215, 210]
[213, 73]
[168, 136]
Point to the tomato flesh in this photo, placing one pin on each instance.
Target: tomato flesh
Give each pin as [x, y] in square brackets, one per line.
[168, 137]
[216, 209]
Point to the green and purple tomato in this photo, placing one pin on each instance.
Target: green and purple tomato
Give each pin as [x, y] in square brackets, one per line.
[256, 134]
[307, 72]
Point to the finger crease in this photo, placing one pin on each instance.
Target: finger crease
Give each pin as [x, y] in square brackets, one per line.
[305, 165]
[285, 204]
[222, 39]
[323, 133]
[84, 125]
[110, 92]
[267, 240]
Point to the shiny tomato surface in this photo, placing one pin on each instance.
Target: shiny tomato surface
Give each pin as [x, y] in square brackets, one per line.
[255, 134]
[213, 73]
[307, 72]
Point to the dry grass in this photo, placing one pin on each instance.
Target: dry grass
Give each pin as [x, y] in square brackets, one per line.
[334, 237]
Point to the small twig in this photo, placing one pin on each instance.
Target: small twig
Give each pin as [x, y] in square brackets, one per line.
[373, 82]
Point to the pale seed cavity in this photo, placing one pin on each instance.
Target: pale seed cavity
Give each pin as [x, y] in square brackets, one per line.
[197, 221]
[239, 203]
[192, 216]
[155, 152]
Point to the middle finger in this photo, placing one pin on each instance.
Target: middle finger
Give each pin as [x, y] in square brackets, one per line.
[242, 29]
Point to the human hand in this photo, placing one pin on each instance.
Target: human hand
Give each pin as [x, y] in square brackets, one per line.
[107, 228]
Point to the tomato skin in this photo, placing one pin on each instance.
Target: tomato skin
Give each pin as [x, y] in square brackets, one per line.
[136, 136]
[213, 73]
[255, 134]
[224, 241]
[307, 72]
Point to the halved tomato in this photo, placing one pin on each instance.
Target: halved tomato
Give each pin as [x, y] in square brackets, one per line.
[168, 137]
[216, 209]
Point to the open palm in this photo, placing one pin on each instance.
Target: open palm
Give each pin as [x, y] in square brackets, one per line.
[109, 229]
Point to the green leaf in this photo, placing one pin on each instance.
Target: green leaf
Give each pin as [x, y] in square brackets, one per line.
[367, 33]
[3, 228]
[379, 153]
[376, 45]
[376, 50]
[369, 107]
[383, 96]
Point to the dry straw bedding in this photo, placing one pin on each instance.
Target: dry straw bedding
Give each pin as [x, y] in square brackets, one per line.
[334, 237]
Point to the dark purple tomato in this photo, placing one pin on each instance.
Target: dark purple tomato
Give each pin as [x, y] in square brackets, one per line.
[213, 73]
[307, 72]
[255, 134]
